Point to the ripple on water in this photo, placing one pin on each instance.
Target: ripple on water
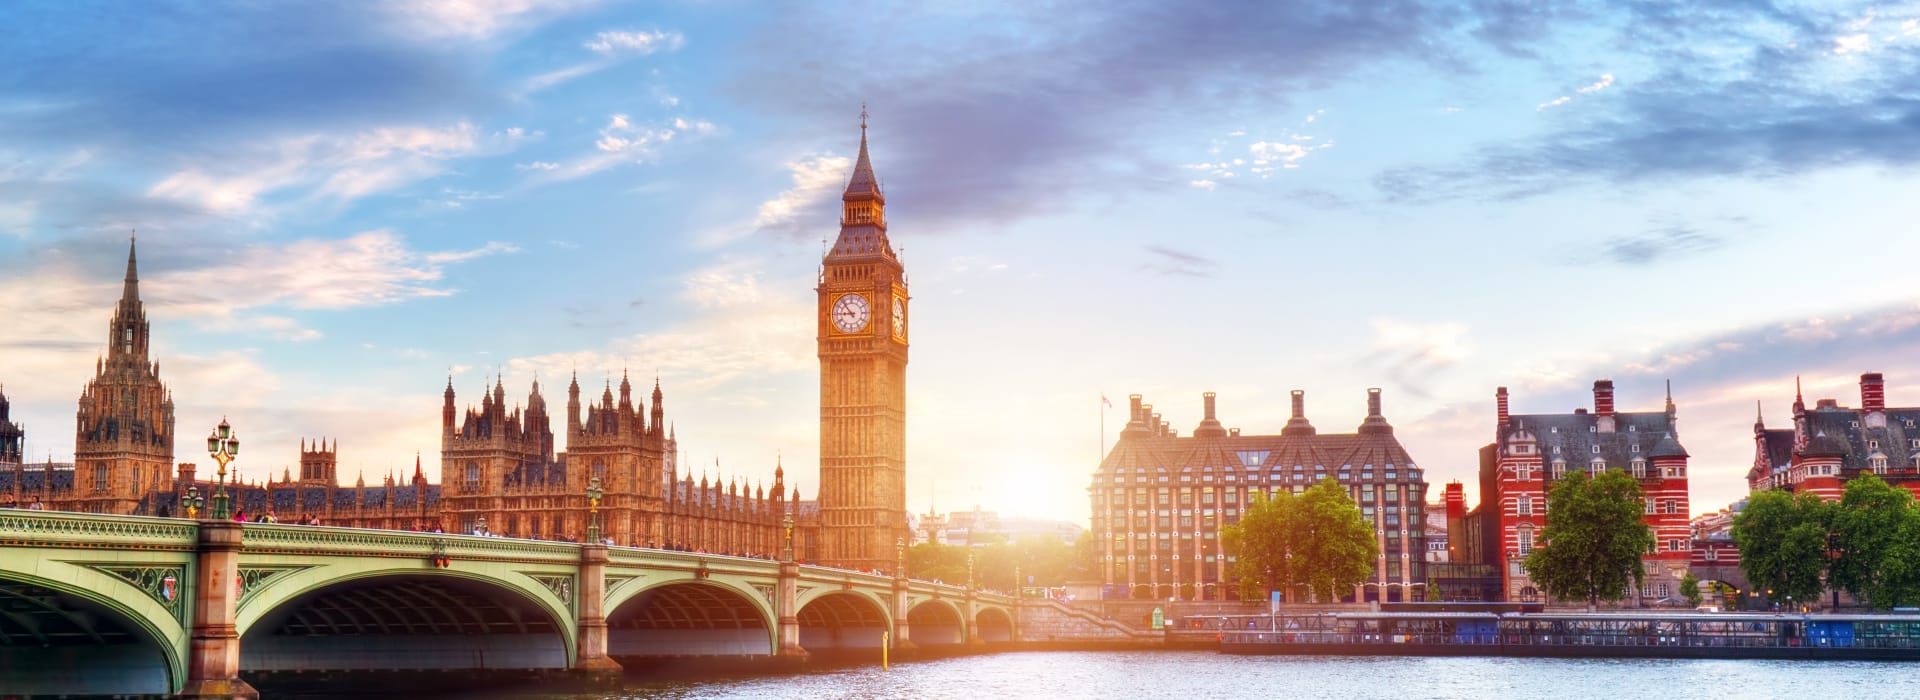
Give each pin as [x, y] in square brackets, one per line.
[1185, 675]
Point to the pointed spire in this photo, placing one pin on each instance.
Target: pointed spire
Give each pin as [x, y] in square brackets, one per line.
[862, 185]
[132, 290]
[1669, 397]
[1799, 402]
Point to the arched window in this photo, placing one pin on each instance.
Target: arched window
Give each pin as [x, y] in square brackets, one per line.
[600, 470]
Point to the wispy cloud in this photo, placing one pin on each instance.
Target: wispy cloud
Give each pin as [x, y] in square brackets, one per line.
[635, 42]
[1414, 354]
[1601, 84]
[1171, 262]
[323, 168]
[1656, 245]
[620, 141]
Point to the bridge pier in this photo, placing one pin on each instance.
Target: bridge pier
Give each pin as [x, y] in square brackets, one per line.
[591, 662]
[902, 638]
[213, 661]
[787, 606]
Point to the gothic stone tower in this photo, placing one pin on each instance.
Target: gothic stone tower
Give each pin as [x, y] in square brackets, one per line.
[123, 443]
[627, 452]
[863, 373]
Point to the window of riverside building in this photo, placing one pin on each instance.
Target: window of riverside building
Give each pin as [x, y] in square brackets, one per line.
[1299, 489]
[1206, 497]
[1524, 505]
[1160, 475]
[1163, 497]
[1639, 468]
[1668, 506]
[1649, 506]
[1186, 496]
[473, 473]
[1525, 540]
[1165, 521]
[1559, 468]
[1879, 465]
[1252, 458]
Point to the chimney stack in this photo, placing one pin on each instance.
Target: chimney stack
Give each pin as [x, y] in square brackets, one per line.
[1873, 392]
[1500, 405]
[1603, 397]
[1373, 402]
[1298, 425]
[1210, 424]
[1375, 424]
[1207, 399]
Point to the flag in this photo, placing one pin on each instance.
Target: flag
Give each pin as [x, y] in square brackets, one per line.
[1105, 402]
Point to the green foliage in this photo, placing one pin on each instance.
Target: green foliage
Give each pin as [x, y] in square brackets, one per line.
[1783, 543]
[1594, 539]
[1866, 529]
[1433, 592]
[1690, 589]
[1316, 544]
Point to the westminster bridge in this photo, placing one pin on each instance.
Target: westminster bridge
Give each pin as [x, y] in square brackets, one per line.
[99, 605]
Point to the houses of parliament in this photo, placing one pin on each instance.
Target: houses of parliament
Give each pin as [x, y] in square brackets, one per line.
[499, 469]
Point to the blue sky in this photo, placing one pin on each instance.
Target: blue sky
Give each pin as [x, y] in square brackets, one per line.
[340, 204]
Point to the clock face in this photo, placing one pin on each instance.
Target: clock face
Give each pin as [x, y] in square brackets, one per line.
[899, 318]
[850, 313]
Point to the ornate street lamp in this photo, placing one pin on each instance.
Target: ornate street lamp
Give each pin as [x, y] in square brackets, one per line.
[969, 568]
[593, 510]
[193, 502]
[786, 523]
[224, 447]
[900, 557]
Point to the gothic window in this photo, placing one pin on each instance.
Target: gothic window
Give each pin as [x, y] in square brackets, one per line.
[100, 476]
[473, 474]
[600, 470]
[126, 339]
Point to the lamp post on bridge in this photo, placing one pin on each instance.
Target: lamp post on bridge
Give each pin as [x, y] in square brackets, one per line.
[786, 547]
[969, 569]
[224, 447]
[899, 557]
[193, 502]
[593, 510]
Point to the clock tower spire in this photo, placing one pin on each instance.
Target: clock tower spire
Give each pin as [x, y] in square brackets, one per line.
[862, 338]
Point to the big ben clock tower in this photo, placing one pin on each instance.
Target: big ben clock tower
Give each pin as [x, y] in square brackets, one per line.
[863, 382]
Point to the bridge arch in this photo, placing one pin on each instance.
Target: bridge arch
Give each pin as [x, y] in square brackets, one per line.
[689, 617]
[842, 620]
[405, 618]
[93, 634]
[936, 622]
[992, 625]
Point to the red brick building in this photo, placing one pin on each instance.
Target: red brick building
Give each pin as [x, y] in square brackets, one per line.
[1830, 444]
[1532, 451]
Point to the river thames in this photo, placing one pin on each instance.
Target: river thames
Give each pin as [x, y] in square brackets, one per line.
[1201, 674]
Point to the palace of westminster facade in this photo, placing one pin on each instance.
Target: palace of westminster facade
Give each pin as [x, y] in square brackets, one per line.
[498, 465]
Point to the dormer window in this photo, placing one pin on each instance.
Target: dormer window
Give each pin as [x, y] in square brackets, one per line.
[1556, 449]
[1873, 444]
[1879, 465]
[1596, 449]
[1639, 468]
[1636, 448]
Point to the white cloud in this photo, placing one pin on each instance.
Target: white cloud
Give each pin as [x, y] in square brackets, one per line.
[1852, 43]
[815, 179]
[1202, 184]
[641, 43]
[537, 165]
[473, 19]
[1605, 81]
[327, 168]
